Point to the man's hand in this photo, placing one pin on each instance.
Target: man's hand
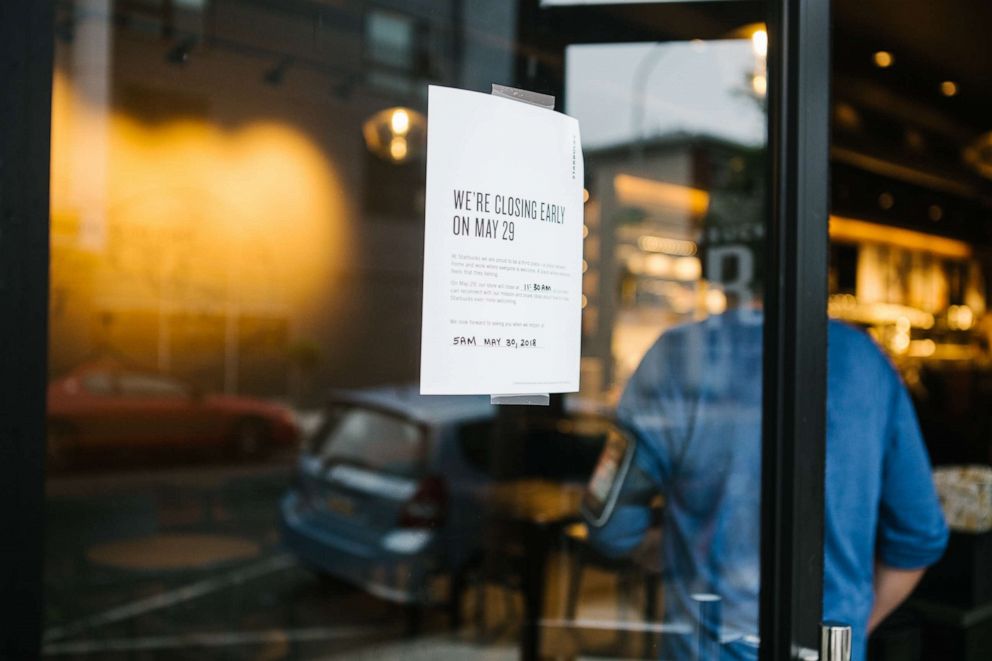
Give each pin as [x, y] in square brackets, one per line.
[892, 586]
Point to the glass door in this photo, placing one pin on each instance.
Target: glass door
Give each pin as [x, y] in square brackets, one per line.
[692, 293]
[674, 129]
[237, 210]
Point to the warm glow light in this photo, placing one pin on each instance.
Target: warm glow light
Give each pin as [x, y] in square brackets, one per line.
[400, 122]
[585, 195]
[847, 116]
[637, 190]
[395, 134]
[900, 342]
[846, 306]
[677, 247]
[716, 301]
[949, 88]
[397, 148]
[856, 231]
[585, 231]
[585, 266]
[978, 154]
[585, 301]
[759, 43]
[759, 84]
[659, 266]
[749, 31]
[883, 59]
[922, 348]
[191, 209]
[688, 268]
[960, 317]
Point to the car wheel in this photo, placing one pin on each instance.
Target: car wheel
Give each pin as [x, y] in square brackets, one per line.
[251, 439]
[60, 446]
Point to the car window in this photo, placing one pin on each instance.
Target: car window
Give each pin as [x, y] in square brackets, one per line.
[371, 439]
[150, 385]
[98, 383]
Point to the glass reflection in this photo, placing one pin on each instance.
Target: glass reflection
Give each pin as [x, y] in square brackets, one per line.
[237, 203]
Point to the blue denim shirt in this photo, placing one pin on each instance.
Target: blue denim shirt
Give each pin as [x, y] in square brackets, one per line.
[694, 406]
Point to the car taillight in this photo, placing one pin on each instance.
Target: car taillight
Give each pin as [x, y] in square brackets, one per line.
[427, 507]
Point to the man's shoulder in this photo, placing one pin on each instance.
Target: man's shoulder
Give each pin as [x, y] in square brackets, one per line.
[850, 344]
[858, 369]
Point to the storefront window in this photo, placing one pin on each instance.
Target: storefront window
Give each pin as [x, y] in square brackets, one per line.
[240, 461]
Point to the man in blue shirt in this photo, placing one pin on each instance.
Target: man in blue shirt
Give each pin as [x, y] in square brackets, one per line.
[694, 408]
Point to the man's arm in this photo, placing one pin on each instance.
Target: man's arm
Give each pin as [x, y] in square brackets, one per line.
[892, 586]
[912, 534]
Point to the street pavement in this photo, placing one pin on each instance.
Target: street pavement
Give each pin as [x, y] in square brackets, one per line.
[149, 558]
[178, 557]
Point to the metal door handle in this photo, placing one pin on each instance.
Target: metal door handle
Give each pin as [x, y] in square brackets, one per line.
[835, 642]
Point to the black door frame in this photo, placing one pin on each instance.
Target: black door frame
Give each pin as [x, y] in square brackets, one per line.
[795, 355]
[26, 49]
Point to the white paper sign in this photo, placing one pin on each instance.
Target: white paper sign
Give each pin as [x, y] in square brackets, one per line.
[502, 249]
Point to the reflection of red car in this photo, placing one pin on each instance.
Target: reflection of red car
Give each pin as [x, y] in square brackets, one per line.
[105, 405]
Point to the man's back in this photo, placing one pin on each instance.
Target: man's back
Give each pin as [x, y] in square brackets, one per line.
[694, 405]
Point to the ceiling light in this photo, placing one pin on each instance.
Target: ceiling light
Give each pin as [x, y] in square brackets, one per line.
[883, 59]
[847, 116]
[759, 84]
[396, 134]
[399, 121]
[398, 149]
[759, 43]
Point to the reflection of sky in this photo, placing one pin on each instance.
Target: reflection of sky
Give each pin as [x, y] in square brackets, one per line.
[697, 88]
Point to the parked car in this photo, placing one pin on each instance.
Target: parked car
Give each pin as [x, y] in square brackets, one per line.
[104, 404]
[392, 491]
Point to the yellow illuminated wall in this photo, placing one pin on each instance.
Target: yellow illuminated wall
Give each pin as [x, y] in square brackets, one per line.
[198, 219]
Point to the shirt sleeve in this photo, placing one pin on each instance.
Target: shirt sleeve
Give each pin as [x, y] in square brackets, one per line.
[646, 412]
[912, 533]
[654, 409]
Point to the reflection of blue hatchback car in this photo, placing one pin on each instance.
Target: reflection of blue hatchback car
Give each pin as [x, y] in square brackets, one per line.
[392, 489]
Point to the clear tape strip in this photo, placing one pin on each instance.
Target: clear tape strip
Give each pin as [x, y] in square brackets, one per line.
[525, 96]
[522, 400]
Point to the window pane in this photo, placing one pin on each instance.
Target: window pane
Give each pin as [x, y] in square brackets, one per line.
[390, 39]
[673, 324]
[237, 196]
[372, 440]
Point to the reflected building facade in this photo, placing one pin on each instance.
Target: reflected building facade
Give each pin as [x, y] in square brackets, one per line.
[216, 210]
